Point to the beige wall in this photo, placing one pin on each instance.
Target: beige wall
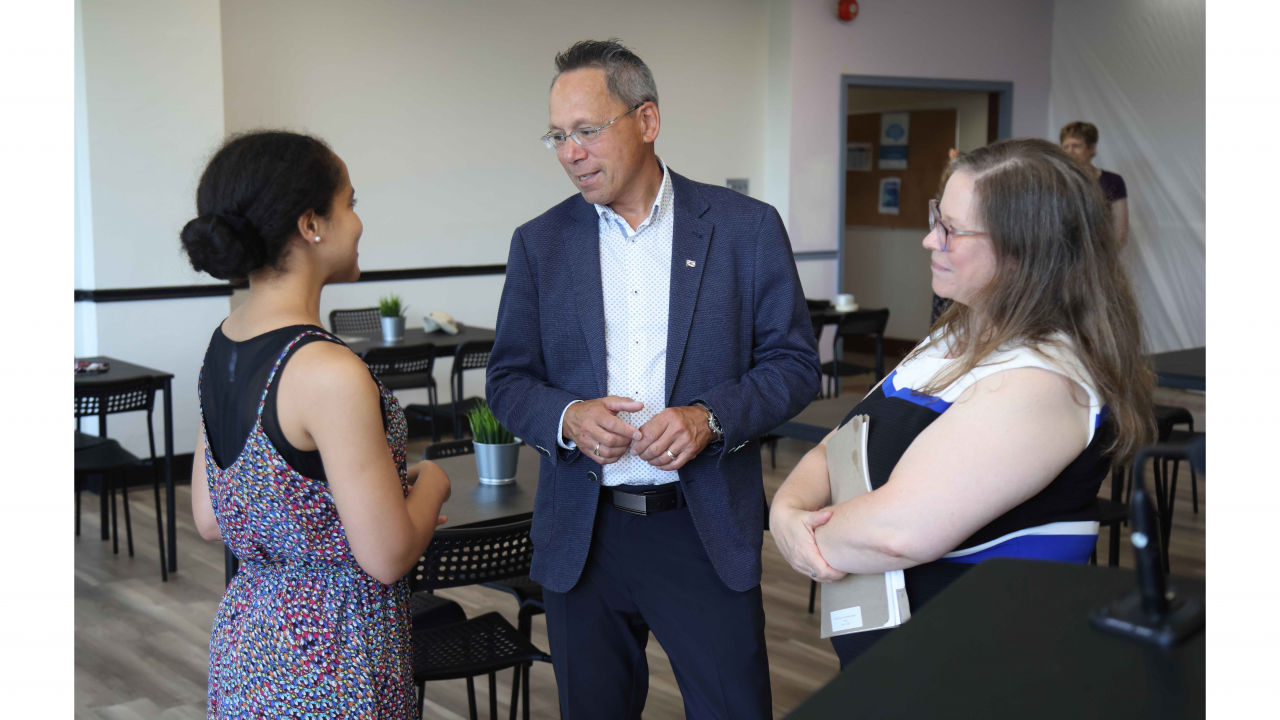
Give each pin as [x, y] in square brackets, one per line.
[148, 93]
[887, 267]
[152, 76]
[437, 106]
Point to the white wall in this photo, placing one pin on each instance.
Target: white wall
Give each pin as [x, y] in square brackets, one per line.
[437, 107]
[777, 121]
[1000, 40]
[148, 110]
[1136, 69]
[153, 106]
[888, 267]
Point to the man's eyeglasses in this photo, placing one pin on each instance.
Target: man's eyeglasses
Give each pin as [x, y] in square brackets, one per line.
[583, 136]
[935, 222]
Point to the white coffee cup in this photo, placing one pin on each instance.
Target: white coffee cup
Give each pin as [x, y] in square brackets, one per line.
[844, 301]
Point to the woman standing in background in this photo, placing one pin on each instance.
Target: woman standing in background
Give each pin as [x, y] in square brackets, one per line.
[1080, 140]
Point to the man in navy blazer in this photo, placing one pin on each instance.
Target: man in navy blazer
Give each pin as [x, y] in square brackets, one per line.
[651, 329]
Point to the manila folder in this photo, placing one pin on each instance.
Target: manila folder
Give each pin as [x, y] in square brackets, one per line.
[856, 603]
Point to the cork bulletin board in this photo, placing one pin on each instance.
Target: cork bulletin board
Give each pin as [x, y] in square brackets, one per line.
[932, 134]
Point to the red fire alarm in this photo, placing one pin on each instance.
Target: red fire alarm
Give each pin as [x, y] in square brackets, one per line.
[847, 10]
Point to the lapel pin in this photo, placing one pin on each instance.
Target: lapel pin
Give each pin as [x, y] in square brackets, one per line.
[690, 263]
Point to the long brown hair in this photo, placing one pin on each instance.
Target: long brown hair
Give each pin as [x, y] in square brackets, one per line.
[1059, 274]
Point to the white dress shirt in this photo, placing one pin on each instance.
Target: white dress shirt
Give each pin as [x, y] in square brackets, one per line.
[635, 273]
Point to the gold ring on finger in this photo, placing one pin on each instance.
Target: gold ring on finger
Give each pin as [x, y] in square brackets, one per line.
[673, 457]
[597, 451]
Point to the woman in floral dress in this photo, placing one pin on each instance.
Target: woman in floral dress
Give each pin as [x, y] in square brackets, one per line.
[300, 463]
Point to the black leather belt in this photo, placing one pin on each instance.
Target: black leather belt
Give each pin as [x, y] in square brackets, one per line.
[640, 500]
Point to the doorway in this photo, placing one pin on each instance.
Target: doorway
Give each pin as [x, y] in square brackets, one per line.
[894, 142]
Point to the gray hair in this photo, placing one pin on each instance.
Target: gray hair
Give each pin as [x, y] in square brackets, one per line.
[628, 78]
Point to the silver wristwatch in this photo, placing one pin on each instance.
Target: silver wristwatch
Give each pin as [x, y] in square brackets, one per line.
[712, 422]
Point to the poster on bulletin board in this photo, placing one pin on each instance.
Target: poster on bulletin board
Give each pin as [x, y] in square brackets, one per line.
[890, 190]
[894, 131]
[859, 158]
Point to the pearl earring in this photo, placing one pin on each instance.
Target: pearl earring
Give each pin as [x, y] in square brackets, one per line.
[317, 238]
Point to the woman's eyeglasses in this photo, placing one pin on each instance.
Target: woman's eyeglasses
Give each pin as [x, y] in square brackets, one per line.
[935, 222]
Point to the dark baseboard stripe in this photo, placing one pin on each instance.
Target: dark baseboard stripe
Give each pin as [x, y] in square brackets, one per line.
[224, 289]
[171, 292]
[427, 273]
[816, 255]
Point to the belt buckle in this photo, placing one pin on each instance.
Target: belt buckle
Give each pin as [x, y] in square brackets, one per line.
[634, 504]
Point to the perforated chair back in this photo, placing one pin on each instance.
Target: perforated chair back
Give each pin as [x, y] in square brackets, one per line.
[472, 356]
[362, 321]
[108, 398]
[471, 556]
[863, 322]
[391, 361]
[435, 451]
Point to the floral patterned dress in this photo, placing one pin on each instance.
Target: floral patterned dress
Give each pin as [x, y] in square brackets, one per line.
[302, 631]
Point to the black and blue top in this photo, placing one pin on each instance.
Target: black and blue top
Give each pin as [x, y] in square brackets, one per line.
[1058, 523]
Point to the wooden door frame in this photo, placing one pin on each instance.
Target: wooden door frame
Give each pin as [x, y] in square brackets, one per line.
[888, 82]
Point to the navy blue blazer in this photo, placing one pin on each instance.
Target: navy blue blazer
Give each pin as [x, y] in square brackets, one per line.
[738, 339]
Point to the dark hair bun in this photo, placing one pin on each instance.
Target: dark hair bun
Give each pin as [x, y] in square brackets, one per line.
[214, 246]
[250, 197]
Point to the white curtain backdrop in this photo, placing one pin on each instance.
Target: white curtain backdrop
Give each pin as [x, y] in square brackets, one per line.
[1136, 69]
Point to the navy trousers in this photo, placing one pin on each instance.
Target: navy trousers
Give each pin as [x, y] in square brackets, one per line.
[651, 573]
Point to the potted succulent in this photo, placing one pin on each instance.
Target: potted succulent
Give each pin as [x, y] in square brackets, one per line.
[496, 449]
[392, 312]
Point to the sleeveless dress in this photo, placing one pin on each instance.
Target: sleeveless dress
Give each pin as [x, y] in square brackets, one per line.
[302, 631]
[1058, 523]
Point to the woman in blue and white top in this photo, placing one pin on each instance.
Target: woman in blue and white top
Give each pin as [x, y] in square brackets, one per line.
[992, 438]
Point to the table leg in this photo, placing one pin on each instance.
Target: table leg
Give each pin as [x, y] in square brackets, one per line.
[1117, 495]
[171, 509]
[102, 485]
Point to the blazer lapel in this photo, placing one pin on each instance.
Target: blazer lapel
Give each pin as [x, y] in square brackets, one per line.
[690, 238]
[583, 244]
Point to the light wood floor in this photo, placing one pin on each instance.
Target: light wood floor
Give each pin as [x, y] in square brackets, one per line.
[141, 646]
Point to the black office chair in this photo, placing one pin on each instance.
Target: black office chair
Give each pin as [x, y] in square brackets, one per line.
[528, 594]
[817, 316]
[406, 368]
[771, 440]
[452, 448]
[1111, 515]
[1167, 418]
[856, 324]
[472, 355]
[482, 645]
[364, 322]
[1166, 481]
[113, 462]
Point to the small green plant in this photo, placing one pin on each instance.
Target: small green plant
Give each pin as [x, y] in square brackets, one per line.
[390, 306]
[486, 428]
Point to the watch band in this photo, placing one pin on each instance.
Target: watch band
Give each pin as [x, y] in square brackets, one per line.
[711, 421]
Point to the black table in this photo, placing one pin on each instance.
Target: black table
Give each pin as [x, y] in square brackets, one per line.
[445, 343]
[821, 417]
[1011, 639]
[161, 380]
[1180, 369]
[473, 504]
